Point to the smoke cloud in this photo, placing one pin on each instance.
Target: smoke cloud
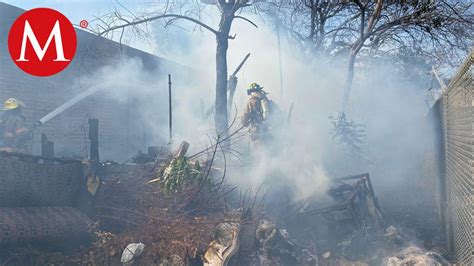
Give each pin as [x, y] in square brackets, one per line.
[383, 99]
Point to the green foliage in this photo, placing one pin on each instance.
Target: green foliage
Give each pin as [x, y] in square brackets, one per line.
[184, 174]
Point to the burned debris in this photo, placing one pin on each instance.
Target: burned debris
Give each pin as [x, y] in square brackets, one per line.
[171, 220]
[172, 211]
[355, 203]
[171, 206]
[256, 179]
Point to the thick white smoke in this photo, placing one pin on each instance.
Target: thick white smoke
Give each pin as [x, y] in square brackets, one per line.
[381, 99]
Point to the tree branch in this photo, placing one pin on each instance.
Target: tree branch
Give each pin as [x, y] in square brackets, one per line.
[141, 21]
[248, 20]
[374, 17]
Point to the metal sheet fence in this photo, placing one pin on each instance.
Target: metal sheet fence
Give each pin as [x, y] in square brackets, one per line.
[458, 110]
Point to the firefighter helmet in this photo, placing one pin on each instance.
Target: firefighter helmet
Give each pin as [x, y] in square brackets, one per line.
[11, 104]
[254, 87]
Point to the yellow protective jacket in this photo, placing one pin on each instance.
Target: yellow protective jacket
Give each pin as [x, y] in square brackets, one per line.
[15, 131]
[253, 114]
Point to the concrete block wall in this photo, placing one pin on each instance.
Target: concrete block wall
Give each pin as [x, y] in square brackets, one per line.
[121, 134]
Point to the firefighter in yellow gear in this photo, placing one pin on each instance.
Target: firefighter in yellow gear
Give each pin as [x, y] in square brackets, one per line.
[14, 132]
[257, 115]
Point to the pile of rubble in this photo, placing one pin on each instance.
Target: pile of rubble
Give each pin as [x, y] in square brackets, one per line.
[132, 204]
[172, 211]
[167, 211]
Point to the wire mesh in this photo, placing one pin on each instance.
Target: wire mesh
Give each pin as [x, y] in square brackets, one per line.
[458, 129]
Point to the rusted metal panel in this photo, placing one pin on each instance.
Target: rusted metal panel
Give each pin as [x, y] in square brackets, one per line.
[27, 181]
[458, 110]
[31, 224]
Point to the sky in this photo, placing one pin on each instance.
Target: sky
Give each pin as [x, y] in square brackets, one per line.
[77, 10]
[74, 10]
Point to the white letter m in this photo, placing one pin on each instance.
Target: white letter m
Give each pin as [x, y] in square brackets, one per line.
[40, 52]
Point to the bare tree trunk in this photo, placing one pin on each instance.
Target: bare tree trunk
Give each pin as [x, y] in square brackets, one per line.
[357, 46]
[220, 117]
[348, 84]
